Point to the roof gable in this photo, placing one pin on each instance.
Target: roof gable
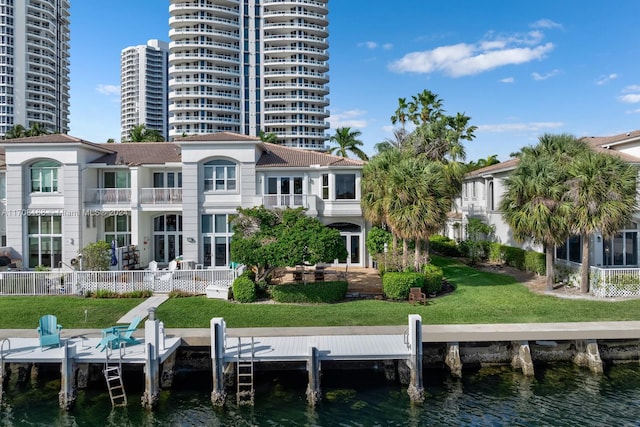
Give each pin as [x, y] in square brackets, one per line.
[275, 155]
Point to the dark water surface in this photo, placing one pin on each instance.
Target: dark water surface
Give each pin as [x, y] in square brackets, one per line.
[561, 395]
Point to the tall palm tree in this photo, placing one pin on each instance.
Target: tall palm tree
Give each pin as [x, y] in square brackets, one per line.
[602, 190]
[401, 114]
[36, 129]
[424, 107]
[534, 203]
[347, 140]
[419, 202]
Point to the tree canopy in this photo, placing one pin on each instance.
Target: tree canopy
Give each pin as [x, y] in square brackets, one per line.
[141, 133]
[266, 239]
[347, 141]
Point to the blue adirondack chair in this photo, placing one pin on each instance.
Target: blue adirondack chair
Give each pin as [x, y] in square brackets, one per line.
[113, 336]
[49, 331]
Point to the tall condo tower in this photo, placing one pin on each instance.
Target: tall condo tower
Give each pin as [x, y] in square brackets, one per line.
[144, 88]
[34, 54]
[250, 66]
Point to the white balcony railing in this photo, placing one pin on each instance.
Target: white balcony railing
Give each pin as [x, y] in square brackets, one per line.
[160, 196]
[108, 196]
[285, 201]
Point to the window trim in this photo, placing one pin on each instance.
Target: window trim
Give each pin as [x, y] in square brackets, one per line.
[210, 176]
[39, 167]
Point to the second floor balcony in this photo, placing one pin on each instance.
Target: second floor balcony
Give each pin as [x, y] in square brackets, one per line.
[161, 196]
[108, 196]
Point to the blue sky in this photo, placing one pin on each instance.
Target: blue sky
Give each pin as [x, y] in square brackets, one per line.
[518, 68]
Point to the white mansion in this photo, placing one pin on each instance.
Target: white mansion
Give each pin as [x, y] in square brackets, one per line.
[482, 192]
[167, 199]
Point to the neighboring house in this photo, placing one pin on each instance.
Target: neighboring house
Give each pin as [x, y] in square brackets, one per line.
[168, 199]
[482, 192]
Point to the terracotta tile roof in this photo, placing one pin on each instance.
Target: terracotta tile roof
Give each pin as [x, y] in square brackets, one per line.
[498, 167]
[139, 153]
[218, 136]
[55, 138]
[609, 140]
[275, 155]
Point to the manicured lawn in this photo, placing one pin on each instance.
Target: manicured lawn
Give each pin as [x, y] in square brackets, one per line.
[480, 297]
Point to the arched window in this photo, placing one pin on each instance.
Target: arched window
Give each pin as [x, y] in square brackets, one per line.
[491, 199]
[44, 176]
[220, 175]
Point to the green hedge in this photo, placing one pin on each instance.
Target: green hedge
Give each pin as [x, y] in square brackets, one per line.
[244, 289]
[396, 285]
[496, 252]
[444, 246]
[514, 257]
[321, 292]
[433, 279]
[536, 262]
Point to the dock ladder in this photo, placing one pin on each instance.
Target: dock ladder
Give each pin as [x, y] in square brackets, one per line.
[2, 372]
[113, 374]
[244, 376]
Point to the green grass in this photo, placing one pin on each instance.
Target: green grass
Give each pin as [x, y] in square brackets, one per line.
[480, 297]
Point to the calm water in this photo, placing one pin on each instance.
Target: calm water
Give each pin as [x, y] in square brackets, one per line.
[558, 396]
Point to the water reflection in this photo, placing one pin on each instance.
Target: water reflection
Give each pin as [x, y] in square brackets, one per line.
[562, 395]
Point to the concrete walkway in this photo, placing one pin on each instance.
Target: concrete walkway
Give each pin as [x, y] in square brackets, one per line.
[142, 309]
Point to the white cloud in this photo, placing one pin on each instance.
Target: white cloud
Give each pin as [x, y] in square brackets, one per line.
[108, 89]
[636, 111]
[631, 94]
[631, 98]
[465, 59]
[606, 79]
[546, 23]
[538, 76]
[351, 118]
[507, 80]
[387, 46]
[520, 127]
[368, 45]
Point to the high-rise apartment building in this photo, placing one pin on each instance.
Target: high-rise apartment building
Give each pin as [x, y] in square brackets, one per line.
[34, 64]
[143, 88]
[248, 66]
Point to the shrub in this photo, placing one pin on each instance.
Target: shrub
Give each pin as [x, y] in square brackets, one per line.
[433, 279]
[96, 256]
[181, 294]
[325, 292]
[244, 289]
[536, 262]
[104, 293]
[396, 285]
[496, 252]
[444, 246]
[514, 257]
[376, 238]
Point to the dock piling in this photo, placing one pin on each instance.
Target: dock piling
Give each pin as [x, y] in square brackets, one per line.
[313, 367]
[67, 395]
[152, 363]
[415, 389]
[218, 339]
[588, 355]
[452, 359]
[522, 358]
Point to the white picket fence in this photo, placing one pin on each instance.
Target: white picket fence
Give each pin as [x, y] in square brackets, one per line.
[614, 282]
[81, 282]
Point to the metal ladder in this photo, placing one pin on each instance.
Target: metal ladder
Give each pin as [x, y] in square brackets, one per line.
[6, 340]
[244, 376]
[113, 374]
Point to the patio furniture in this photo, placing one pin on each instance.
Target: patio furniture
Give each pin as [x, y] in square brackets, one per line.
[49, 331]
[417, 296]
[114, 336]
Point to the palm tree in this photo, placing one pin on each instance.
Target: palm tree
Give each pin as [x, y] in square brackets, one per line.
[140, 133]
[268, 137]
[602, 190]
[534, 203]
[347, 140]
[418, 202]
[36, 129]
[17, 131]
[401, 114]
[424, 107]
[398, 140]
